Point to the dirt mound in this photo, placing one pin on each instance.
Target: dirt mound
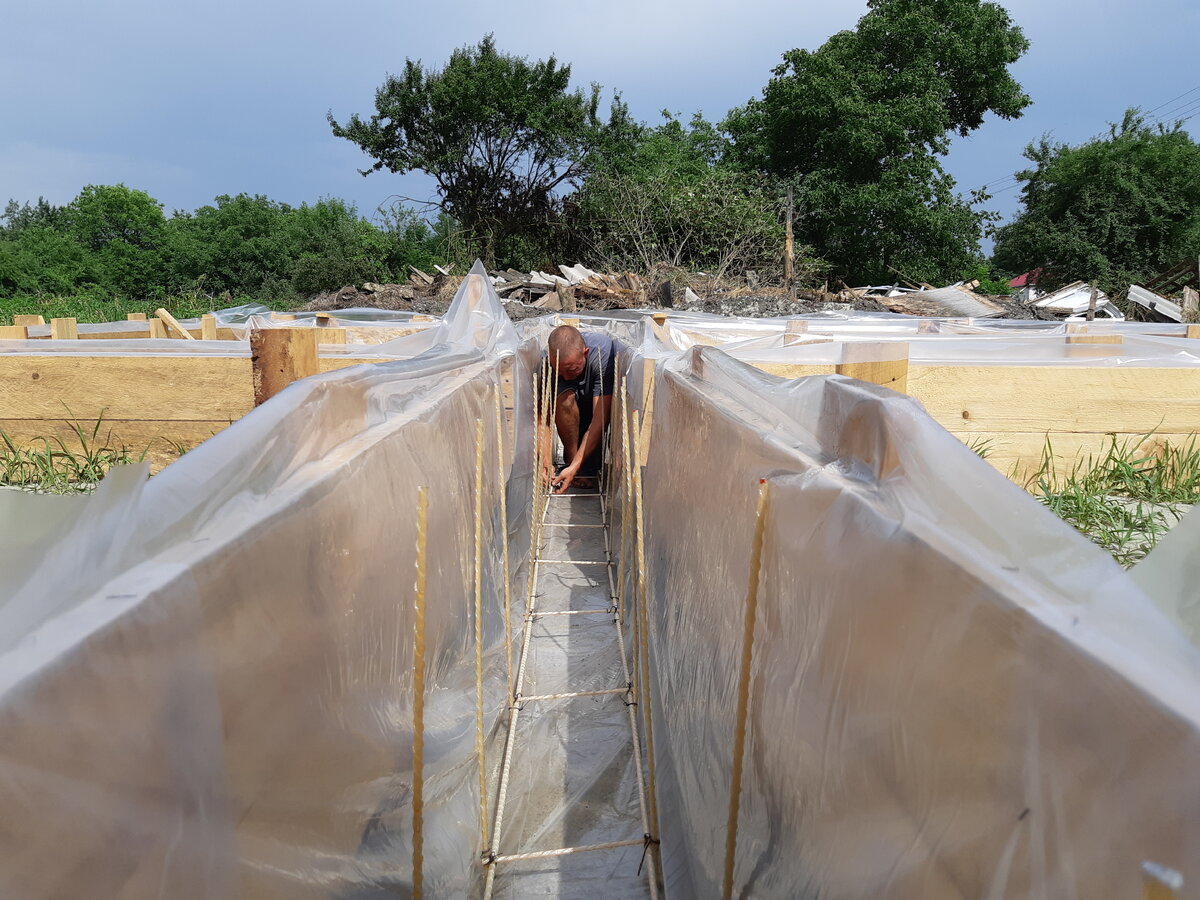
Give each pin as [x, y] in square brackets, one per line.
[405, 297]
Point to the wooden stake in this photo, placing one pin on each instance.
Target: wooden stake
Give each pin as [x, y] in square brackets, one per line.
[1091, 310]
[1193, 331]
[566, 297]
[418, 852]
[1190, 306]
[283, 317]
[279, 356]
[28, 320]
[14, 332]
[789, 253]
[64, 329]
[158, 328]
[743, 695]
[861, 361]
[135, 317]
[483, 824]
[173, 324]
[208, 327]
[793, 331]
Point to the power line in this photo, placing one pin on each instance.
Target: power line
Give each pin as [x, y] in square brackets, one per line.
[1186, 110]
[1173, 99]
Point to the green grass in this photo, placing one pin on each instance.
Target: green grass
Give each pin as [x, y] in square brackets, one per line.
[96, 308]
[1126, 499]
[57, 466]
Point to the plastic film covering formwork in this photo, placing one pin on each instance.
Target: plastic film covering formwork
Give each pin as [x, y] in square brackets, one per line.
[949, 693]
[206, 679]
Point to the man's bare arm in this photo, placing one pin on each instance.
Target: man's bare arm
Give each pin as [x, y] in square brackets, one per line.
[601, 410]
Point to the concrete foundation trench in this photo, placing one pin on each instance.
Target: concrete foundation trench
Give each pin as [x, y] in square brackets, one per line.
[798, 642]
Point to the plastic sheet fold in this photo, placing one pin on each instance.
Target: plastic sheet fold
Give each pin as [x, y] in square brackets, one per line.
[952, 693]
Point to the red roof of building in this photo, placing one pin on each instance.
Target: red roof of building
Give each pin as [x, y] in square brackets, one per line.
[1028, 278]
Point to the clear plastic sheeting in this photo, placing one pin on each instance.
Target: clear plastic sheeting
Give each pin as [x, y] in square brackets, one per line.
[226, 711]
[952, 694]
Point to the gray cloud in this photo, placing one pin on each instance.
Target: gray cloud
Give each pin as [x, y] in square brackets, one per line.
[188, 102]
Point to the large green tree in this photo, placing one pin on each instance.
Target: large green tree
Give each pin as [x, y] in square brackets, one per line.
[501, 136]
[1116, 209]
[860, 124]
[668, 196]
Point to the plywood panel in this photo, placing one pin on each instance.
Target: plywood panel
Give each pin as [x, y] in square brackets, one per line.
[1059, 398]
[200, 388]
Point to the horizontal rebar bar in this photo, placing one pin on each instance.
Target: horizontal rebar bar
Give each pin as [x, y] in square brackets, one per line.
[573, 694]
[576, 612]
[565, 851]
[597, 494]
[576, 562]
[571, 525]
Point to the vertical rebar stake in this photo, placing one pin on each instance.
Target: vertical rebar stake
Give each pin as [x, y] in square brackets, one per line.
[503, 482]
[743, 695]
[483, 825]
[418, 849]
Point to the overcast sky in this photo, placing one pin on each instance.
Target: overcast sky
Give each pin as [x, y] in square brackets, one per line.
[188, 101]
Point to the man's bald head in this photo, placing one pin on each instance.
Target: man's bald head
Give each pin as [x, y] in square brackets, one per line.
[565, 339]
[567, 351]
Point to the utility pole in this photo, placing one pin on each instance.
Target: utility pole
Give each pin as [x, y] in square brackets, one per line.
[789, 254]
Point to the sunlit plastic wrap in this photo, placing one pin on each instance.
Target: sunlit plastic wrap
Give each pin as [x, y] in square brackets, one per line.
[952, 694]
[214, 698]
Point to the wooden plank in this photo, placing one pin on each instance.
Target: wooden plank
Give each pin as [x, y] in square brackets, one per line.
[160, 440]
[792, 370]
[28, 320]
[868, 362]
[136, 317]
[66, 329]
[1193, 331]
[1123, 399]
[158, 328]
[202, 388]
[279, 356]
[14, 332]
[208, 327]
[173, 325]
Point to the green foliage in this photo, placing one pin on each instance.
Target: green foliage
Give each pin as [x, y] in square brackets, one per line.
[114, 243]
[860, 124]
[1115, 210]
[58, 466]
[1125, 499]
[501, 136]
[666, 198]
[990, 281]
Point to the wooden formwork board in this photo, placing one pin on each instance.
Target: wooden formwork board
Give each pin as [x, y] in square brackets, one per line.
[157, 404]
[1014, 408]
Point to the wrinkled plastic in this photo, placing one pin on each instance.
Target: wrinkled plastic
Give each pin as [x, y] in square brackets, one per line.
[952, 693]
[225, 709]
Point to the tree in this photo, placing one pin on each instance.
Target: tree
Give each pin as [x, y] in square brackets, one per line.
[1114, 210]
[122, 230]
[501, 136]
[667, 197]
[859, 126]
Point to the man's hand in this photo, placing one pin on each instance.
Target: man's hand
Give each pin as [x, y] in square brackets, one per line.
[547, 473]
[565, 477]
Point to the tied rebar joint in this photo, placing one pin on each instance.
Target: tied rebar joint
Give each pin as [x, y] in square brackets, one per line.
[488, 858]
[646, 842]
[628, 698]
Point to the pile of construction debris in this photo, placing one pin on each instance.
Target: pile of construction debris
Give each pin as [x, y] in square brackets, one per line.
[580, 289]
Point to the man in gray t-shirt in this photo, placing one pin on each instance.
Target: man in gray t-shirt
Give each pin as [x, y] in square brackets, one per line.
[586, 367]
